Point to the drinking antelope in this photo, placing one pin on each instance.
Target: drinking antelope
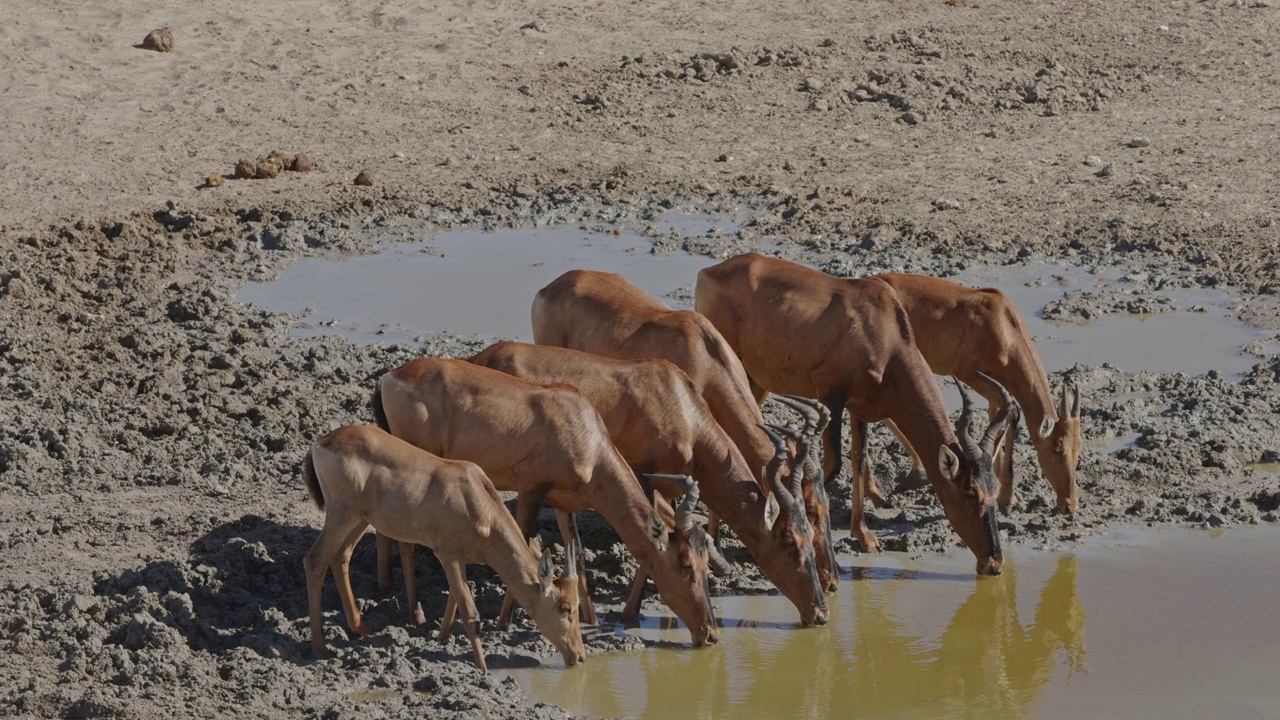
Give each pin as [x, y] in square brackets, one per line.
[361, 476]
[546, 443]
[849, 344]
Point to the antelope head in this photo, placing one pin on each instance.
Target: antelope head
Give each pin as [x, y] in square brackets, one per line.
[689, 550]
[556, 613]
[789, 529]
[1058, 448]
[975, 478]
[808, 446]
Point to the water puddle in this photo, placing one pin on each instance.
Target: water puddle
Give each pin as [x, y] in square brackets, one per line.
[1265, 468]
[474, 282]
[466, 281]
[1183, 340]
[1141, 623]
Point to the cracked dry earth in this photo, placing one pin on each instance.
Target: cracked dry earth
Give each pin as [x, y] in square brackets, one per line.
[151, 428]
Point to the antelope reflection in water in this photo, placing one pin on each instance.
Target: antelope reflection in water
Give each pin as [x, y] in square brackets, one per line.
[879, 656]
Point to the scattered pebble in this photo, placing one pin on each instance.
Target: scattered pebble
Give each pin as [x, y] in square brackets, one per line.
[364, 178]
[1139, 142]
[213, 181]
[1093, 161]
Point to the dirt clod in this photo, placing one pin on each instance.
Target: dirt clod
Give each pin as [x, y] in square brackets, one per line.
[160, 40]
[246, 169]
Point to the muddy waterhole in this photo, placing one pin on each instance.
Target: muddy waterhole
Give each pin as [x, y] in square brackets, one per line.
[1142, 622]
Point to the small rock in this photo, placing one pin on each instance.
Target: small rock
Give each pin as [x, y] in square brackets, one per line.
[945, 204]
[525, 90]
[213, 181]
[724, 158]
[364, 178]
[246, 169]
[301, 163]
[535, 25]
[1139, 142]
[160, 40]
[266, 170]
[1106, 171]
[1093, 161]
[909, 118]
[812, 85]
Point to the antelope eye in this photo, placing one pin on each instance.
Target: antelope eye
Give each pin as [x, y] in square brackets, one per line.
[564, 609]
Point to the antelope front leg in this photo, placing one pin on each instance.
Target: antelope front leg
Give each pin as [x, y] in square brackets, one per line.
[446, 620]
[915, 479]
[858, 529]
[527, 507]
[416, 616]
[455, 571]
[384, 564]
[631, 611]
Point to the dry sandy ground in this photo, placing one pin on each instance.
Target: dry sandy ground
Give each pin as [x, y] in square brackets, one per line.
[151, 428]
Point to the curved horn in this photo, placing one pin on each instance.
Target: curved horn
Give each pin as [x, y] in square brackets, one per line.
[806, 411]
[571, 560]
[719, 565]
[824, 415]
[1010, 411]
[771, 470]
[801, 462]
[684, 511]
[683, 481]
[965, 423]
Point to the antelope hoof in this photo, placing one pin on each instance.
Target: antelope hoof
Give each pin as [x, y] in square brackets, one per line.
[361, 630]
[417, 617]
[878, 498]
[1009, 504]
[322, 651]
[866, 540]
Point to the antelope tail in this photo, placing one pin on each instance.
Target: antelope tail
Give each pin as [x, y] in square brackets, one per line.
[312, 482]
[379, 414]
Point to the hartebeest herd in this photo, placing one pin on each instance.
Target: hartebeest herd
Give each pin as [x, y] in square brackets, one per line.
[624, 405]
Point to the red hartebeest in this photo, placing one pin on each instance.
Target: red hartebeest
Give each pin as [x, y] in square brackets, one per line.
[849, 344]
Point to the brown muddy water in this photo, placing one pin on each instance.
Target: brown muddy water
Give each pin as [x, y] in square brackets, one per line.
[1141, 623]
[482, 283]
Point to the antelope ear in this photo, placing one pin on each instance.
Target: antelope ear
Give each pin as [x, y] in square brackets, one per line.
[1075, 402]
[772, 510]
[1046, 427]
[546, 571]
[948, 463]
[657, 530]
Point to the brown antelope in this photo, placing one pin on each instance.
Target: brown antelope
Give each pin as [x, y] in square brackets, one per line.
[965, 333]
[848, 343]
[546, 443]
[602, 313]
[660, 424]
[360, 476]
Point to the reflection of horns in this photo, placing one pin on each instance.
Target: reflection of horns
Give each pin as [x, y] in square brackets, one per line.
[786, 500]
[998, 423]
